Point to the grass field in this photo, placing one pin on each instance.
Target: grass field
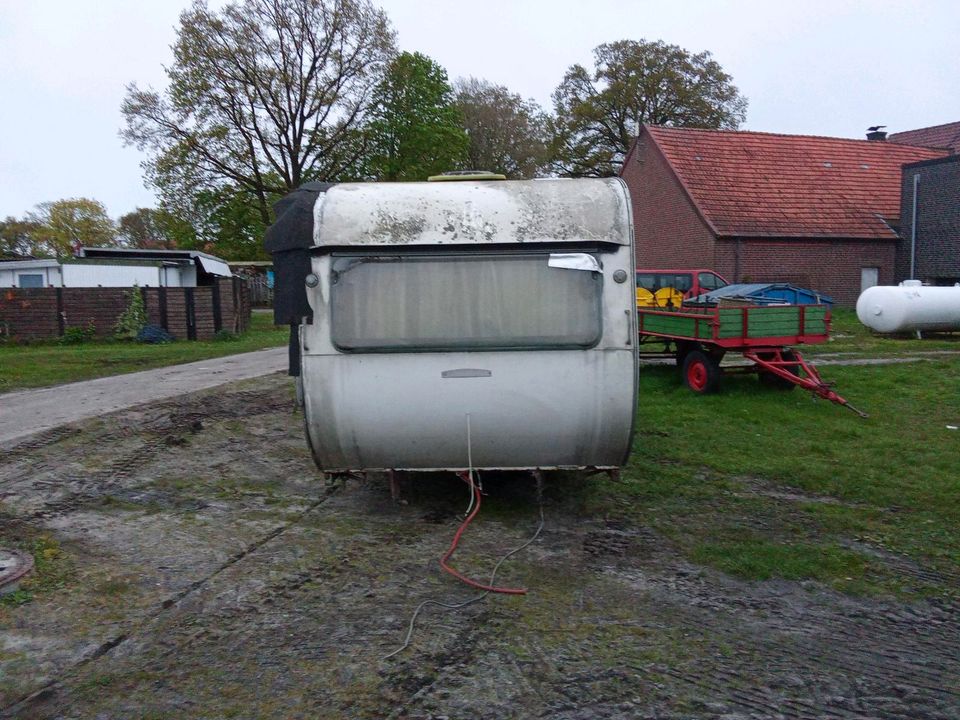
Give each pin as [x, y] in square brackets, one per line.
[44, 364]
[764, 483]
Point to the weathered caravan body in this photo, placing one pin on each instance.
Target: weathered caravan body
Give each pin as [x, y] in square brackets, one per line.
[478, 323]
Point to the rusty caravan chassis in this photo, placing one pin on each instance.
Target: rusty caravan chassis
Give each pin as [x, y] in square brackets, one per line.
[481, 324]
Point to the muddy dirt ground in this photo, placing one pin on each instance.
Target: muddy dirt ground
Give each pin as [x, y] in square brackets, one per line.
[204, 570]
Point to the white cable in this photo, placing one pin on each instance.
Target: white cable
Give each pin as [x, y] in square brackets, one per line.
[470, 468]
[493, 577]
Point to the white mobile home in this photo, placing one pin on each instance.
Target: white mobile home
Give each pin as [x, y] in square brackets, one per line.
[116, 267]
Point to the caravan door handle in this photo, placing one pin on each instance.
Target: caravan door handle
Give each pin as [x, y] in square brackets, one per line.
[465, 373]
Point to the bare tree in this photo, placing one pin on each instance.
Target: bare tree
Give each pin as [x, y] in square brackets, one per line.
[263, 95]
[507, 133]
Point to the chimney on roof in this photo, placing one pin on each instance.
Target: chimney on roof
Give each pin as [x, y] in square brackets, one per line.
[876, 133]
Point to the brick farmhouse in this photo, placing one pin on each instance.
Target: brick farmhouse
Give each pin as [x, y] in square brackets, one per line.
[816, 211]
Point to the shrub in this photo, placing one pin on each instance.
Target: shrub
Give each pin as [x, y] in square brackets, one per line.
[134, 318]
[77, 335]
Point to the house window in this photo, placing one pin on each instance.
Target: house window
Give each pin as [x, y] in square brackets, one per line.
[462, 302]
[30, 280]
[869, 276]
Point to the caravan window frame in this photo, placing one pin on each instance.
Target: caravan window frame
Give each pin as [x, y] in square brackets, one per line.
[465, 344]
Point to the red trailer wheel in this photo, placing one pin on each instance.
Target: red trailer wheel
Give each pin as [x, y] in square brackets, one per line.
[701, 373]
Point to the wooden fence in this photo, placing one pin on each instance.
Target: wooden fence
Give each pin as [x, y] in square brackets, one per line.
[196, 313]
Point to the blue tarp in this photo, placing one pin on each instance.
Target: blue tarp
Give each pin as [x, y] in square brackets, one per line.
[764, 294]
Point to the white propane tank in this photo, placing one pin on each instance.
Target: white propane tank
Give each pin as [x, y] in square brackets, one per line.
[909, 306]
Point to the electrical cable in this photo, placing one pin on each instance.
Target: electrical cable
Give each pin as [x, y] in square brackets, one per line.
[493, 575]
[456, 541]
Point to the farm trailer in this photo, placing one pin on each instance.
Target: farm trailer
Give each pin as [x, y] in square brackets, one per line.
[764, 335]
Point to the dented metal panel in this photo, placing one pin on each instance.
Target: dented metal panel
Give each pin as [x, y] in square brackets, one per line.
[473, 213]
[527, 410]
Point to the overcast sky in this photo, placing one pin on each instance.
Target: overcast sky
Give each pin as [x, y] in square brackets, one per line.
[811, 67]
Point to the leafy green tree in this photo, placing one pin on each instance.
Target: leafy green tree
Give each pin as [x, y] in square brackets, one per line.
[231, 226]
[19, 237]
[263, 96]
[598, 113]
[416, 130]
[224, 222]
[64, 225]
[507, 134]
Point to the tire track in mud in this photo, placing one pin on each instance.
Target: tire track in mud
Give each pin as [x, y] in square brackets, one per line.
[38, 441]
[167, 424]
[158, 427]
[723, 690]
[49, 691]
[865, 650]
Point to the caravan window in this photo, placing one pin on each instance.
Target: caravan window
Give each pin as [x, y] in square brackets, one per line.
[462, 302]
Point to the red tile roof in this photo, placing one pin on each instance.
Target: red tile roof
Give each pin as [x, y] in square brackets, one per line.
[761, 184]
[939, 136]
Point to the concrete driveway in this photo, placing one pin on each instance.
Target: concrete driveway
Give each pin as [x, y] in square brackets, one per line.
[27, 412]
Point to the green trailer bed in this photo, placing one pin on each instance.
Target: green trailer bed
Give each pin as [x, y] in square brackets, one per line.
[739, 327]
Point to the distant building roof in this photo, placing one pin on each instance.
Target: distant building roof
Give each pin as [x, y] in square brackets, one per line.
[768, 185]
[945, 136]
[25, 264]
[209, 263]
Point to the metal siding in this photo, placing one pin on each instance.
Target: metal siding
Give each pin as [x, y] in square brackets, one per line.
[536, 409]
[81, 275]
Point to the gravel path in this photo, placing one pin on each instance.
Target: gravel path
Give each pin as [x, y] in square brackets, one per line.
[26, 412]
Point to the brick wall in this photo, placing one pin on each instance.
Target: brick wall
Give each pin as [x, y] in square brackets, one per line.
[668, 230]
[42, 313]
[938, 221]
[830, 266]
[100, 307]
[30, 313]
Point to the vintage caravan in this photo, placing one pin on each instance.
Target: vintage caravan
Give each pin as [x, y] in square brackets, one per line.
[480, 323]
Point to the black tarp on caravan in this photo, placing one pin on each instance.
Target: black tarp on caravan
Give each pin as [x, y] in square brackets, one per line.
[288, 241]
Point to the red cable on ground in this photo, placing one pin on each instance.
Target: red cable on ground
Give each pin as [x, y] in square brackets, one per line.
[453, 546]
